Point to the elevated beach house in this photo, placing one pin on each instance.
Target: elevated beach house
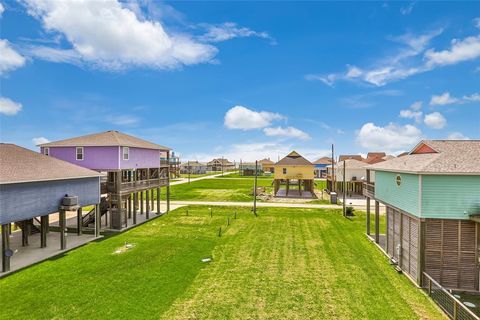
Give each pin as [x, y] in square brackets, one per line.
[248, 168]
[296, 175]
[321, 166]
[220, 164]
[432, 199]
[193, 167]
[267, 165]
[34, 186]
[134, 169]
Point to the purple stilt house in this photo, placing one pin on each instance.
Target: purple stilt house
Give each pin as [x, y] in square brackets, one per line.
[134, 169]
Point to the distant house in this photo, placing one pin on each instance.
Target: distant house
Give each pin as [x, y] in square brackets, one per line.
[432, 199]
[267, 165]
[134, 167]
[33, 185]
[375, 157]
[220, 164]
[350, 156]
[321, 166]
[296, 174]
[193, 167]
[248, 168]
[355, 174]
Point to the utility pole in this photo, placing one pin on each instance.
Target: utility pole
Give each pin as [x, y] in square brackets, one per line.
[333, 169]
[255, 189]
[344, 189]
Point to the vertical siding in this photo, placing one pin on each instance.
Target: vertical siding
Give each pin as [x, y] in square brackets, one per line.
[450, 197]
[404, 197]
[20, 201]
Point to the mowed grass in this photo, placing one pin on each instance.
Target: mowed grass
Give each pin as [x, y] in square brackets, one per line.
[216, 190]
[283, 264]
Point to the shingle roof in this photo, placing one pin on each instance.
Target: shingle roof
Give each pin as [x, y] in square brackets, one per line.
[104, 139]
[193, 164]
[220, 160]
[350, 156]
[294, 159]
[323, 160]
[452, 157]
[18, 165]
[266, 161]
[376, 154]
[352, 164]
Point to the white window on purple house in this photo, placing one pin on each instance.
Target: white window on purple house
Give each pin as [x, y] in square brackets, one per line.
[79, 153]
[46, 151]
[125, 153]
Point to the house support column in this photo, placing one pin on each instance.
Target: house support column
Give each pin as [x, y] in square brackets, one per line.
[43, 231]
[129, 206]
[5, 247]
[141, 202]
[368, 216]
[62, 223]
[135, 205]
[147, 211]
[377, 222]
[98, 222]
[79, 221]
[158, 200]
[152, 206]
[25, 232]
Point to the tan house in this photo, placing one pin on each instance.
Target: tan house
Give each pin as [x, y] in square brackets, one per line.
[220, 164]
[267, 165]
[297, 175]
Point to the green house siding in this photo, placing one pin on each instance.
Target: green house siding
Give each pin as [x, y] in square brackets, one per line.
[403, 196]
[450, 197]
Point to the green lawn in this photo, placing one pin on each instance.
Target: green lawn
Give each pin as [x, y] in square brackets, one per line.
[193, 176]
[237, 175]
[216, 190]
[283, 264]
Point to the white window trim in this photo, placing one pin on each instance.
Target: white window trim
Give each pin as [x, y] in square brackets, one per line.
[123, 153]
[46, 151]
[76, 153]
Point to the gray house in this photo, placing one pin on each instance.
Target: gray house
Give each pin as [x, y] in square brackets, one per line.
[33, 185]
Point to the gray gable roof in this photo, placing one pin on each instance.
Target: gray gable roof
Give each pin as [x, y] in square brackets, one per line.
[104, 139]
[18, 165]
[451, 157]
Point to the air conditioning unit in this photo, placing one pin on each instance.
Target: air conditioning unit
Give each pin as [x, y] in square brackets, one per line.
[70, 200]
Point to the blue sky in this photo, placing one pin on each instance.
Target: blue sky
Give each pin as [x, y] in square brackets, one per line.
[244, 79]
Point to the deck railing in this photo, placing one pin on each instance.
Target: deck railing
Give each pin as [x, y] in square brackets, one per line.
[452, 307]
[369, 189]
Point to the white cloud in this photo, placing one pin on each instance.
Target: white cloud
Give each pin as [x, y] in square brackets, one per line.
[435, 120]
[457, 136]
[460, 50]
[476, 22]
[390, 137]
[230, 30]
[288, 132]
[123, 120]
[110, 35]
[443, 99]
[2, 9]
[9, 107]
[243, 118]
[40, 140]
[472, 98]
[258, 151]
[408, 9]
[410, 114]
[9, 58]
[416, 106]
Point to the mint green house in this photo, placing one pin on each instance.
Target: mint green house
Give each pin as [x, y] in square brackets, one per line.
[432, 200]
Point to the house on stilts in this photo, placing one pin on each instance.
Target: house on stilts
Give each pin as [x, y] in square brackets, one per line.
[36, 193]
[432, 199]
[135, 170]
[296, 175]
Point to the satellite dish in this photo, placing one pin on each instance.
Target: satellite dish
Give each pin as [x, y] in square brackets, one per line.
[8, 253]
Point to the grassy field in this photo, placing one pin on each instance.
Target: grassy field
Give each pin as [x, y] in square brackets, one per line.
[237, 175]
[216, 190]
[193, 176]
[283, 264]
